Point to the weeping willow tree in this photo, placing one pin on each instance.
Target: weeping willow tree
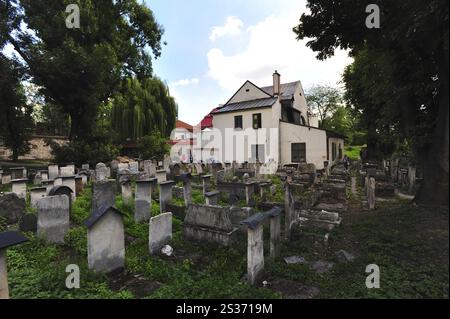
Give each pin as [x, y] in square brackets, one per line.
[143, 107]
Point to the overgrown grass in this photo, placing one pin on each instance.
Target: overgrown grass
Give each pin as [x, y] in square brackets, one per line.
[409, 243]
[352, 151]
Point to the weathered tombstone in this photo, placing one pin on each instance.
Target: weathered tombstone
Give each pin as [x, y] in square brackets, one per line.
[187, 188]
[206, 180]
[36, 194]
[6, 179]
[255, 253]
[69, 181]
[19, 187]
[12, 207]
[165, 194]
[275, 232]
[264, 190]
[48, 184]
[85, 167]
[103, 193]
[411, 179]
[101, 172]
[53, 218]
[149, 168]
[143, 200]
[288, 210]
[160, 232]
[353, 185]
[208, 223]
[106, 239]
[37, 179]
[7, 239]
[58, 181]
[249, 192]
[134, 168]
[212, 198]
[198, 168]
[161, 175]
[67, 170]
[371, 193]
[166, 162]
[84, 176]
[53, 171]
[17, 173]
[127, 192]
[44, 175]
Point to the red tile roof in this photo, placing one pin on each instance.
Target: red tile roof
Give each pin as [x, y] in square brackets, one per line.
[181, 124]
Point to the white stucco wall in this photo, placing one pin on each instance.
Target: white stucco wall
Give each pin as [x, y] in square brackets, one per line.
[339, 143]
[315, 139]
[253, 93]
[236, 143]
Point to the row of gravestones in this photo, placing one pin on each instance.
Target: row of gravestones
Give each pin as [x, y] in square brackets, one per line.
[106, 234]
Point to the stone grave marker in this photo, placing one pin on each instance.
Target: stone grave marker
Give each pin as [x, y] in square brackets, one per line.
[36, 194]
[106, 239]
[160, 232]
[165, 194]
[19, 187]
[103, 193]
[53, 218]
[53, 171]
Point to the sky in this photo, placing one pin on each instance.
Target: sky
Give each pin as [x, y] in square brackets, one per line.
[214, 46]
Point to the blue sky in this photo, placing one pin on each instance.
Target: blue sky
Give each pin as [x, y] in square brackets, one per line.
[213, 46]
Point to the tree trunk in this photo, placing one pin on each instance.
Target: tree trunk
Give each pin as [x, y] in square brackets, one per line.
[434, 188]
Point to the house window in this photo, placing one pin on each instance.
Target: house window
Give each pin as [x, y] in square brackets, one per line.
[333, 151]
[258, 153]
[257, 120]
[238, 121]
[340, 151]
[298, 152]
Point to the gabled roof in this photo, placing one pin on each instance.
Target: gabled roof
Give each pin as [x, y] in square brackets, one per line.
[287, 92]
[181, 124]
[11, 238]
[99, 213]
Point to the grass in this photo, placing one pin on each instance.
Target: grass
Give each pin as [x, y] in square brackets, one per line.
[352, 151]
[409, 243]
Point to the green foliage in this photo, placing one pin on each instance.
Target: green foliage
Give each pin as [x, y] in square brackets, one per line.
[324, 100]
[15, 113]
[141, 108]
[112, 43]
[353, 151]
[76, 239]
[153, 146]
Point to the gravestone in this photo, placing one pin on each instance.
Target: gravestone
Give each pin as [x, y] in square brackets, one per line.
[212, 198]
[85, 167]
[18, 173]
[53, 218]
[208, 223]
[134, 168]
[353, 185]
[69, 181]
[12, 208]
[44, 175]
[36, 194]
[160, 232]
[57, 181]
[79, 185]
[206, 180]
[143, 200]
[288, 210]
[53, 171]
[127, 192]
[161, 175]
[106, 239]
[255, 254]
[48, 184]
[187, 188]
[101, 172]
[411, 179]
[149, 168]
[6, 179]
[67, 171]
[165, 194]
[103, 193]
[7, 239]
[249, 192]
[19, 187]
[198, 168]
[371, 193]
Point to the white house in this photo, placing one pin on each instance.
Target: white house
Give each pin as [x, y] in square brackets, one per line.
[273, 123]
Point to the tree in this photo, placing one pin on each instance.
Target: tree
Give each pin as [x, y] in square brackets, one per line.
[15, 114]
[142, 107]
[411, 48]
[79, 69]
[324, 100]
[153, 146]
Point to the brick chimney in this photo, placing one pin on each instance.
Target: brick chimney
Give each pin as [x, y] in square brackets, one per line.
[276, 83]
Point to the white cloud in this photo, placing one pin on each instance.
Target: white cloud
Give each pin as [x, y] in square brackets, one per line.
[273, 46]
[185, 82]
[232, 27]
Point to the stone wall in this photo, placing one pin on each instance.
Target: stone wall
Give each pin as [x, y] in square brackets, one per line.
[39, 149]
